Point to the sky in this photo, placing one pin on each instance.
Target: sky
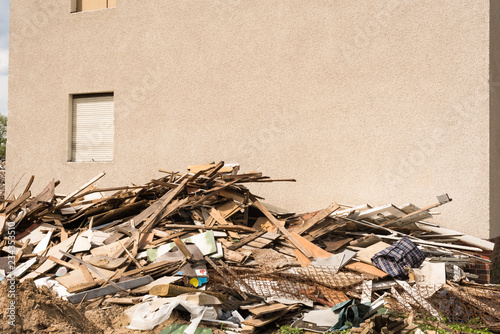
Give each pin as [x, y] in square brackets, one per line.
[4, 53]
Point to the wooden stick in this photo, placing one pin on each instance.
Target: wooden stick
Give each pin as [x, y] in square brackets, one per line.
[308, 224]
[130, 255]
[73, 194]
[28, 186]
[64, 263]
[91, 268]
[185, 251]
[280, 227]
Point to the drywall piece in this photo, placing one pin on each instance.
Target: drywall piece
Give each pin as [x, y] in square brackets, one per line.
[114, 249]
[365, 255]
[322, 317]
[77, 277]
[68, 210]
[430, 273]
[335, 261]
[220, 252]
[53, 285]
[38, 233]
[106, 262]
[21, 269]
[53, 251]
[82, 243]
[205, 242]
[44, 243]
[154, 253]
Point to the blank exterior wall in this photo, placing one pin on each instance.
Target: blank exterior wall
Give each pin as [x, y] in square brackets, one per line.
[379, 101]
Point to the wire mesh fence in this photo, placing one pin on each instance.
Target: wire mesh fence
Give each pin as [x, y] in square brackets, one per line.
[452, 302]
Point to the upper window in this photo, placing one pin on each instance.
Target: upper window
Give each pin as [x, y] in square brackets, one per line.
[85, 5]
[92, 127]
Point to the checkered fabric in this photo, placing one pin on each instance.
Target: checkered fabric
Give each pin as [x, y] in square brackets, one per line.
[395, 258]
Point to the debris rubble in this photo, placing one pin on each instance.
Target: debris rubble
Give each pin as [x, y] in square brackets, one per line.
[203, 244]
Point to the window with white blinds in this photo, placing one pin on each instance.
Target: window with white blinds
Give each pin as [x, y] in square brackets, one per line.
[92, 127]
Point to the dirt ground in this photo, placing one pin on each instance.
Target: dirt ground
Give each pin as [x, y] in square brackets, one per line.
[38, 310]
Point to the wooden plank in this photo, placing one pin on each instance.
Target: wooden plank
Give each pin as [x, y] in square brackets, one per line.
[165, 200]
[215, 228]
[258, 243]
[72, 195]
[178, 242]
[325, 227]
[30, 183]
[266, 320]
[228, 209]
[332, 246]
[86, 274]
[90, 267]
[246, 240]
[266, 309]
[149, 268]
[308, 224]
[217, 216]
[103, 291]
[63, 263]
[281, 228]
[17, 203]
[45, 196]
[204, 168]
[365, 268]
[2, 222]
[314, 250]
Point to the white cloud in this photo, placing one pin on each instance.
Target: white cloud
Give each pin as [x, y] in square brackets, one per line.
[3, 94]
[4, 61]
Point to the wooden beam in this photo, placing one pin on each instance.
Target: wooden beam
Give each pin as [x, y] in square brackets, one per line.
[317, 218]
[280, 227]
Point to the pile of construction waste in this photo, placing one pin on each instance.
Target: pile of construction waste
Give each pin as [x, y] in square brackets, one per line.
[201, 242]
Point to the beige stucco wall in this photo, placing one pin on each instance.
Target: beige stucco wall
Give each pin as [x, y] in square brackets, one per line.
[360, 101]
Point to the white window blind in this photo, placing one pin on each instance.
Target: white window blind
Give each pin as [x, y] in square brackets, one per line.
[92, 135]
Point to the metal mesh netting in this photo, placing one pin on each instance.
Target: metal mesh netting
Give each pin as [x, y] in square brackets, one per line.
[453, 302]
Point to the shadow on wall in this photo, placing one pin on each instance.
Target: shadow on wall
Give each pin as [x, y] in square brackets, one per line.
[495, 262]
[494, 129]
